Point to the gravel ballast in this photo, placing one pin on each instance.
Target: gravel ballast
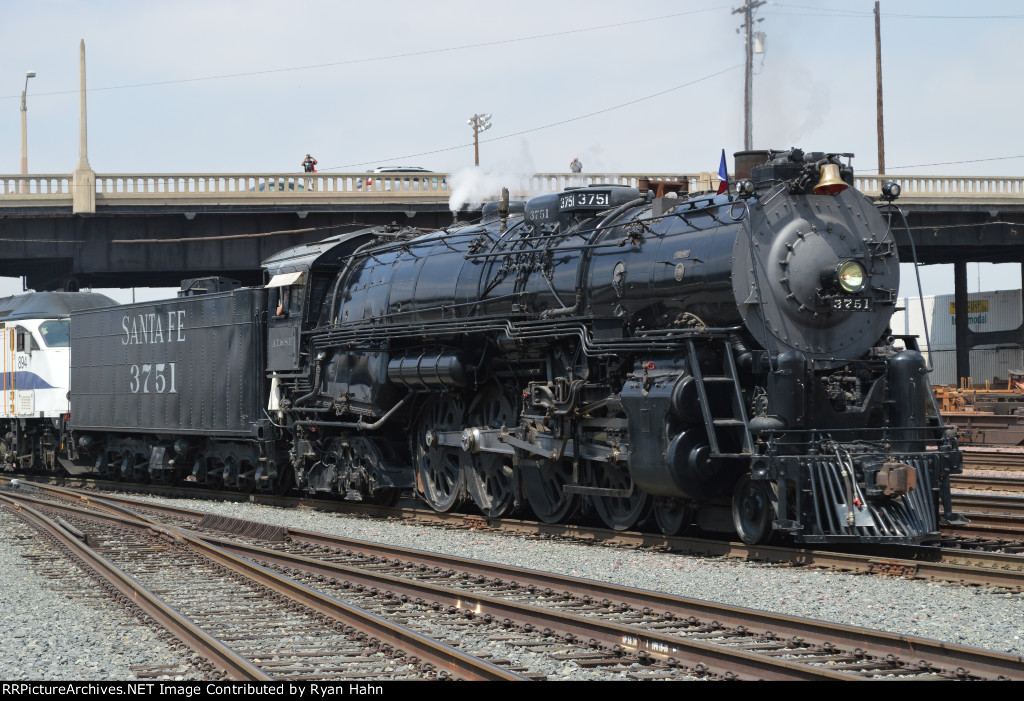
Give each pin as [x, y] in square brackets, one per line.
[67, 628]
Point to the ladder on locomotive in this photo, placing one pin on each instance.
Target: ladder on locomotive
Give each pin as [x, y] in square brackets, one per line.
[7, 341]
[736, 420]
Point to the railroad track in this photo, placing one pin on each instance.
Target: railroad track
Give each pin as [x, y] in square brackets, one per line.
[993, 460]
[986, 558]
[996, 522]
[989, 504]
[247, 622]
[593, 623]
[985, 483]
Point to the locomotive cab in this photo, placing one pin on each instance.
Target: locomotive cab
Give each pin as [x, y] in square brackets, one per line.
[298, 282]
[285, 311]
[34, 360]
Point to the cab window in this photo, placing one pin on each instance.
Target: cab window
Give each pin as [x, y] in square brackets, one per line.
[318, 292]
[286, 301]
[55, 334]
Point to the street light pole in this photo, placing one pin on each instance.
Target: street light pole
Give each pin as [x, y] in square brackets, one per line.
[479, 122]
[24, 129]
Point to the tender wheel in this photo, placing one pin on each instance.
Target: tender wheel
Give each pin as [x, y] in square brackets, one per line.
[618, 512]
[438, 469]
[126, 468]
[5, 452]
[285, 481]
[673, 516]
[247, 477]
[490, 476]
[752, 511]
[543, 485]
[229, 472]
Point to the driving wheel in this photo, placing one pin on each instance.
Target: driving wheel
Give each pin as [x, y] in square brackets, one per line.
[543, 485]
[489, 476]
[438, 469]
[621, 511]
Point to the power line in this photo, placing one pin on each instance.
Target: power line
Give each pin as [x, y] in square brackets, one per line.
[389, 57]
[545, 126]
[818, 11]
[953, 163]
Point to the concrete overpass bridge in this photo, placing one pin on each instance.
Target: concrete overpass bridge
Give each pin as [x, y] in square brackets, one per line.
[64, 231]
[156, 229]
[153, 229]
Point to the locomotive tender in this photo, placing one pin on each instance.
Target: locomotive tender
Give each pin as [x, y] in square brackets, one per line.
[723, 360]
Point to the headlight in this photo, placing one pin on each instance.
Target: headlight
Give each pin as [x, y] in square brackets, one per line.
[851, 276]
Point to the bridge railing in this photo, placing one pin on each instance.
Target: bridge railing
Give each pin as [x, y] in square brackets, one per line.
[232, 188]
[252, 184]
[945, 186]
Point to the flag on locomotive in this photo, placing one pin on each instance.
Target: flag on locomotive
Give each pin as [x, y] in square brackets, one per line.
[723, 175]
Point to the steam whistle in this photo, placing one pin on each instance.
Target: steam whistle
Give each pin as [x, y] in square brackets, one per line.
[503, 208]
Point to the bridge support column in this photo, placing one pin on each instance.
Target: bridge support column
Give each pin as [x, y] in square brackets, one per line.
[83, 185]
[963, 350]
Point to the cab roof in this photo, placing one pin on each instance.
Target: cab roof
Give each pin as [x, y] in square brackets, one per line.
[50, 305]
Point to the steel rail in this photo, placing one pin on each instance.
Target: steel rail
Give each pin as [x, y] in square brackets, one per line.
[966, 567]
[993, 460]
[837, 634]
[235, 666]
[989, 503]
[999, 484]
[615, 637]
[877, 643]
[715, 659]
[433, 653]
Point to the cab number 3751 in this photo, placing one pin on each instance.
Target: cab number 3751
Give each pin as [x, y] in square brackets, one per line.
[153, 378]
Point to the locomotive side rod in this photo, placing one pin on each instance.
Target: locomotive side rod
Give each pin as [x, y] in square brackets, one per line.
[501, 441]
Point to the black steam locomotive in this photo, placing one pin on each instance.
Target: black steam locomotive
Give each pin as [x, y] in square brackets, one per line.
[644, 352]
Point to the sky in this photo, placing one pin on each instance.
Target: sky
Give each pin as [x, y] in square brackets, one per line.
[224, 86]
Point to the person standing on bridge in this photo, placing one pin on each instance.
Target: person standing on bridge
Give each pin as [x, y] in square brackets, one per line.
[576, 166]
[309, 165]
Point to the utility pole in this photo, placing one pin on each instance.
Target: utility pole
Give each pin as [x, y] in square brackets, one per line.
[748, 86]
[479, 122]
[878, 79]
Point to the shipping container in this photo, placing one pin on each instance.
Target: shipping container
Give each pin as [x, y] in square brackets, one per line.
[987, 311]
[991, 365]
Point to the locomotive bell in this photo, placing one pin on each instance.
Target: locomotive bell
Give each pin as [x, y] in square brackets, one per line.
[830, 182]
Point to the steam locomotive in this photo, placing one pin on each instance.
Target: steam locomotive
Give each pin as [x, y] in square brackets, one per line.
[645, 354]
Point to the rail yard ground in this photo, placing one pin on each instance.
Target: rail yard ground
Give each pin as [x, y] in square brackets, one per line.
[72, 639]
